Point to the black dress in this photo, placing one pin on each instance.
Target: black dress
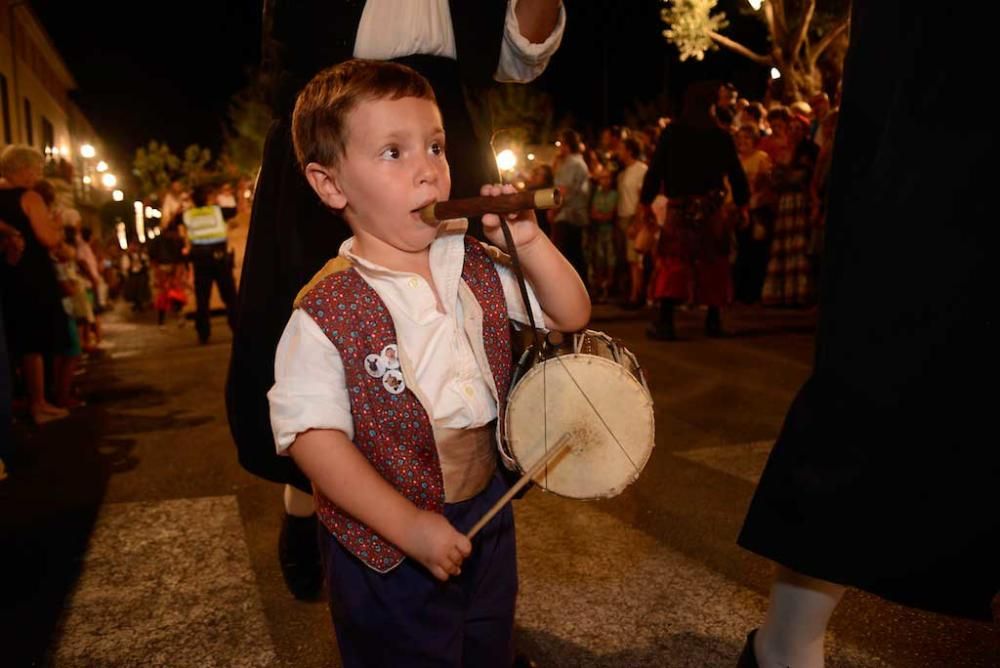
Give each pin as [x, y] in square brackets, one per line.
[292, 234]
[33, 313]
[886, 471]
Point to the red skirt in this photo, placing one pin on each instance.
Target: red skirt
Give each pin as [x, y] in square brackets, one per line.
[691, 261]
[170, 286]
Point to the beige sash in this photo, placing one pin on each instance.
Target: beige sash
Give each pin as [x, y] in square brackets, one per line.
[468, 460]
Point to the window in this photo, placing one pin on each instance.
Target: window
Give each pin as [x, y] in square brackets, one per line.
[29, 130]
[48, 133]
[5, 101]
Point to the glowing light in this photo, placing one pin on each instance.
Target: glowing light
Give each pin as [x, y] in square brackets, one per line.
[506, 160]
[247, 194]
[87, 151]
[775, 73]
[87, 180]
[155, 213]
[64, 151]
[118, 195]
[148, 212]
[109, 180]
[531, 156]
[140, 222]
[102, 166]
[558, 144]
[755, 4]
[122, 239]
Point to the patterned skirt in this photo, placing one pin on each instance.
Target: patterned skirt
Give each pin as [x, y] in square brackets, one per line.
[789, 279]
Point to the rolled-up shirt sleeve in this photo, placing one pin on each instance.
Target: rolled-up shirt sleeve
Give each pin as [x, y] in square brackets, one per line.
[309, 389]
[520, 60]
[515, 302]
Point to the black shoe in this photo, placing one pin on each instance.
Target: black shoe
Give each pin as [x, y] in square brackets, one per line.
[748, 659]
[659, 331]
[713, 325]
[299, 556]
[522, 661]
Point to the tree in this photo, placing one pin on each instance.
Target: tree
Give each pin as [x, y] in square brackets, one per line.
[155, 166]
[522, 113]
[249, 121]
[800, 34]
[196, 168]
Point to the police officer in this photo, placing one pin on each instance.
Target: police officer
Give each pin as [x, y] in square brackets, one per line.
[210, 256]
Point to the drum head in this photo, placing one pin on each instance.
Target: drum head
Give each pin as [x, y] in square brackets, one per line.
[605, 408]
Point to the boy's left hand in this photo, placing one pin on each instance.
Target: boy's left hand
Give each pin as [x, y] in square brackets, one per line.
[523, 224]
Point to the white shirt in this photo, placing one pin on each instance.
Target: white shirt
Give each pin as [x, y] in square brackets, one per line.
[629, 188]
[310, 389]
[396, 28]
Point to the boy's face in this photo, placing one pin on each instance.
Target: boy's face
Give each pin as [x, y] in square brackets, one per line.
[393, 165]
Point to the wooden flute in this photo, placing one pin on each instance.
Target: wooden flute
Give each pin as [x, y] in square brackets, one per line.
[547, 198]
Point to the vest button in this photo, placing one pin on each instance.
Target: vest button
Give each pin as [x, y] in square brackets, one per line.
[414, 282]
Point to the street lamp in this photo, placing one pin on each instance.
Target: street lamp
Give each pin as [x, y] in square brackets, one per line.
[755, 4]
[506, 160]
[118, 195]
[87, 151]
[102, 166]
[140, 221]
[775, 73]
[109, 180]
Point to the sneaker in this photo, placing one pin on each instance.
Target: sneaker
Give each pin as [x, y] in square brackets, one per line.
[299, 556]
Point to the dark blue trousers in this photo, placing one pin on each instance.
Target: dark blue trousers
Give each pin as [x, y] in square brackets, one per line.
[408, 618]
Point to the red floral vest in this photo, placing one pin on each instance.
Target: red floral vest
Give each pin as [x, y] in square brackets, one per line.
[393, 431]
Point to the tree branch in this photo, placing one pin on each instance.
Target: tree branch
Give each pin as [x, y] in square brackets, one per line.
[828, 39]
[803, 29]
[780, 22]
[740, 49]
[771, 26]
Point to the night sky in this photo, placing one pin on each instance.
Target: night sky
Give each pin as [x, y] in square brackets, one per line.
[147, 74]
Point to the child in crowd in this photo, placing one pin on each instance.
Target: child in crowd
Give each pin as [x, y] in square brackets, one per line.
[603, 208]
[392, 369]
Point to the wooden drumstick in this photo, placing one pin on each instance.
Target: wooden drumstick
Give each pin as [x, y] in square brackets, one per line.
[547, 198]
[560, 445]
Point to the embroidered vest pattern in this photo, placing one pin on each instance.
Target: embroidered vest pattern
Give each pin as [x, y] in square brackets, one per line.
[393, 431]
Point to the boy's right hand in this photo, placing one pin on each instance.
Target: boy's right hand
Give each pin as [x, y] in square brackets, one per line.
[436, 544]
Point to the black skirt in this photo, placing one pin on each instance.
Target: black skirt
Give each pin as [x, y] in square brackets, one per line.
[885, 474]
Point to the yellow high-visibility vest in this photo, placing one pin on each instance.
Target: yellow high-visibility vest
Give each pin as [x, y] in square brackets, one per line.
[205, 225]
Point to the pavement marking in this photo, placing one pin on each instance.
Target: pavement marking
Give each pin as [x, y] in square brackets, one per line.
[166, 583]
[744, 460]
[597, 593]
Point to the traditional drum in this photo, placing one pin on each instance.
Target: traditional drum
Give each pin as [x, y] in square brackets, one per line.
[591, 388]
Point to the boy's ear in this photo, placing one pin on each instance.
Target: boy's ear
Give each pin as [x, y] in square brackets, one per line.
[323, 180]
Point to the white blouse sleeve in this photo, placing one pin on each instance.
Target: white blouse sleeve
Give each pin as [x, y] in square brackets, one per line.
[520, 60]
[310, 390]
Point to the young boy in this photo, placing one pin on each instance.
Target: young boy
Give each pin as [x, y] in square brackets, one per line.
[391, 370]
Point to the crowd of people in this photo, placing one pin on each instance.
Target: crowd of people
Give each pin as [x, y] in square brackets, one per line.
[57, 277]
[53, 292]
[615, 208]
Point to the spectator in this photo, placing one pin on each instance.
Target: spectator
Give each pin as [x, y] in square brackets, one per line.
[629, 186]
[33, 311]
[752, 237]
[569, 220]
[603, 256]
